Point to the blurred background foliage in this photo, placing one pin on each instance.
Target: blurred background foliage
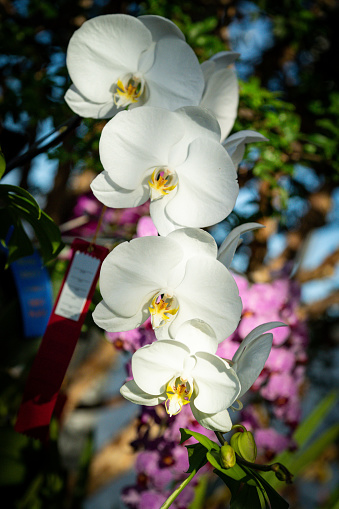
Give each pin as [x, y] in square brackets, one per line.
[288, 92]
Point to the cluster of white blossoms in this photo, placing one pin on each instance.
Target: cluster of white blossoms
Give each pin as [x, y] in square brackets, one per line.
[166, 141]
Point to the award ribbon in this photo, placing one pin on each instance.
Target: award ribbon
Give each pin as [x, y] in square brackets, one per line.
[60, 338]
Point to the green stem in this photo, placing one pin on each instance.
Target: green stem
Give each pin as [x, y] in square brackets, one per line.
[220, 437]
[175, 493]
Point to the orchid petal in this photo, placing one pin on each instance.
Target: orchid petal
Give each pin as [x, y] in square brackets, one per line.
[198, 122]
[219, 421]
[221, 97]
[102, 50]
[134, 142]
[216, 383]
[208, 292]
[86, 108]
[109, 321]
[230, 244]
[134, 272]
[195, 242]
[153, 366]
[111, 195]
[235, 144]
[254, 334]
[224, 59]
[131, 391]
[176, 88]
[161, 27]
[252, 361]
[162, 222]
[198, 336]
[207, 188]
[217, 62]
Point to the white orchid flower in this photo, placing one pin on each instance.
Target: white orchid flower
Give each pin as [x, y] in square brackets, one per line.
[228, 247]
[221, 92]
[174, 278]
[187, 371]
[117, 61]
[182, 371]
[247, 363]
[235, 144]
[173, 158]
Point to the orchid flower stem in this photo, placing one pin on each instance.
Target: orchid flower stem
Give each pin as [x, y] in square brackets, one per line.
[274, 467]
[103, 210]
[175, 493]
[220, 437]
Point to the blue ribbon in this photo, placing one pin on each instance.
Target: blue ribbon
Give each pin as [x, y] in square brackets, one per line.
[35, 293]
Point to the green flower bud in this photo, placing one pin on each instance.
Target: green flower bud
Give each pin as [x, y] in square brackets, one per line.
[282, 473]
[243, 443]
[227, 456]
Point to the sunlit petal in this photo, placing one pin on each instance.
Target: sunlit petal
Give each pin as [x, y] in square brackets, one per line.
[134, 142]
[153, 366]
[102, 50]
[208, 292]
[111, 195]
[235, 144]
[207, 188]
[227, 249]
[221, 96]
[217, 383]
[131, 391]
[86, 108]
[216, 422]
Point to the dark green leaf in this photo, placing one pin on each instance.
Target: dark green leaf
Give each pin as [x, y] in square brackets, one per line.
[244, 496]
[206, 442]
[236, 472]
[196, 457]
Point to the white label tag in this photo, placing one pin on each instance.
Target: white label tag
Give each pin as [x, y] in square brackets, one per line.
[77, 286]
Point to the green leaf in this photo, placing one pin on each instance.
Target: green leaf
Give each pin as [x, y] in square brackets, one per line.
[236, 472]
[9, 190]
[19, 244]
[276, 500]
[20, 205]
[309, 425]
[196, 457]
[244, 496]
[314, 450]
[206, 442]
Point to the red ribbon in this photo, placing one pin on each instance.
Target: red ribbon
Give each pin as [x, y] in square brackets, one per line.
[53, 357]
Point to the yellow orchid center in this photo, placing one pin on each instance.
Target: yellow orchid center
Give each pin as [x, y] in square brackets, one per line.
[178, 393]
[128, 90]
[162, 182]
[163, 308]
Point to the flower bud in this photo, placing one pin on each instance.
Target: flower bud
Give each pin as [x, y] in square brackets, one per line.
[282, 473]
[227, 456]
[243, 443]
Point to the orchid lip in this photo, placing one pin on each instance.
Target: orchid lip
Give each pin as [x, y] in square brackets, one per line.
[163, 309]
[178, 393]
[163, 180]
[128, 90]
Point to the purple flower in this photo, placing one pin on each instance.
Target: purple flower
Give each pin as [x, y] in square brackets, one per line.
[281, 360]
[271, 441]
[146, 227]
[151, 499]
[280, 386]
